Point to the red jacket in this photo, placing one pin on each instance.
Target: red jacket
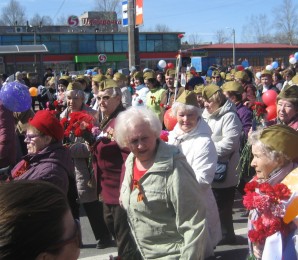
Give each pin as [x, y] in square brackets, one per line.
[109, 165]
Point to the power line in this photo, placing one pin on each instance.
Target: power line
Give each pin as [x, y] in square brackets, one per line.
[59, 9]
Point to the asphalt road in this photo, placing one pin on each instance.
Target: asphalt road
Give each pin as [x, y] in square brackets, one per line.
[225, 252]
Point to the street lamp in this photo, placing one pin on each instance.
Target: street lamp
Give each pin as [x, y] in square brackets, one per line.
[233, 32]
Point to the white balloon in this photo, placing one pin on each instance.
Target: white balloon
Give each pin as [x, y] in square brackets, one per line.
[258, 75]
[269, 67]
[292, 60]
[162, 64]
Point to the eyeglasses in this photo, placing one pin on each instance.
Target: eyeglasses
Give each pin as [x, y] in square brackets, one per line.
[217, 77]
[75, 237]
[31, 136]
[104, 98]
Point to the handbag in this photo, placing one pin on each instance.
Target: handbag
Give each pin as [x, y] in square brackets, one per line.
[220, 172]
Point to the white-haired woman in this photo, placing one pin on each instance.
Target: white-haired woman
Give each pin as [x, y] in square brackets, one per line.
[193, 136]
[275, 155]
[160, 193]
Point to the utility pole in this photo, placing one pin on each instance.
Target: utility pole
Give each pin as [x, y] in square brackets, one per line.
[133, 36]
[234, 40]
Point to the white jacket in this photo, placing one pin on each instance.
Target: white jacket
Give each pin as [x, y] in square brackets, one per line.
[200, 152]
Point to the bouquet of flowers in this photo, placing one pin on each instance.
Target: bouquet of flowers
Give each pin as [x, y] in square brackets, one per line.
[267, 201]
[259, 112]
[79, 124]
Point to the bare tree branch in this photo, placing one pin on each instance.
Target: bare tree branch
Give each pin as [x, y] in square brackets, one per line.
[194, 39]
[221, 36]
[161, 28]
[37, 20]
[258, 29]
[286, 22]
[13, 14]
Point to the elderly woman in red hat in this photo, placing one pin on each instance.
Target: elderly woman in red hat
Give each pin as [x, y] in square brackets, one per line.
[47, 158]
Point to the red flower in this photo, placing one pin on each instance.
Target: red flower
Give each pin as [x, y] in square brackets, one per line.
[266, 200]
[55, 103]
[164, 106]
[77, 123]
[250, 186]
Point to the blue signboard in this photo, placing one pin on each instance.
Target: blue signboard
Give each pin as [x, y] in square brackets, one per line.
[124, 13]
[197, 63]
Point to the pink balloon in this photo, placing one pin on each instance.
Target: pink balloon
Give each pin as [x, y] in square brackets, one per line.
[269, 97]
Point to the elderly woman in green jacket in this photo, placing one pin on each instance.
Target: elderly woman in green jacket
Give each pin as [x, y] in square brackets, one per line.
[160, 193]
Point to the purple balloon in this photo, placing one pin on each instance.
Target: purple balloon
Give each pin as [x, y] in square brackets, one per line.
[15, 97]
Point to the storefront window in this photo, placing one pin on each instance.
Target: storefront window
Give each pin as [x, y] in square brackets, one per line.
[87, 47]
[68, 37]
[69, 47]
[120, 46]
[53, 47]
[104, 46]
[120, 37]
[86, 37]
[11, 39]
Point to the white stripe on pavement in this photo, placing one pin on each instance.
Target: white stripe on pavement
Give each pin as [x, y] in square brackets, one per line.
[241, 231]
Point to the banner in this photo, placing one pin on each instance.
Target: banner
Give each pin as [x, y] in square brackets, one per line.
[124, 13]
[139, 12]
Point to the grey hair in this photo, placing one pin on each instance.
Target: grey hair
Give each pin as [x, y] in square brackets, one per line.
[78, 93]
[254, 139]
[128, 119]
[117, 92]
[180, 106]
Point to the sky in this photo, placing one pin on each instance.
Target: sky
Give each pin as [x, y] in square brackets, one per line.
[199, 18]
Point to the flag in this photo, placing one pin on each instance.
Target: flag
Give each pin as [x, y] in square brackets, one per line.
[124, 14]
[139, 12]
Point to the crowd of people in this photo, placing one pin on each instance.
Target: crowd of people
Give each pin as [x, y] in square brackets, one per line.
[155, 190]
